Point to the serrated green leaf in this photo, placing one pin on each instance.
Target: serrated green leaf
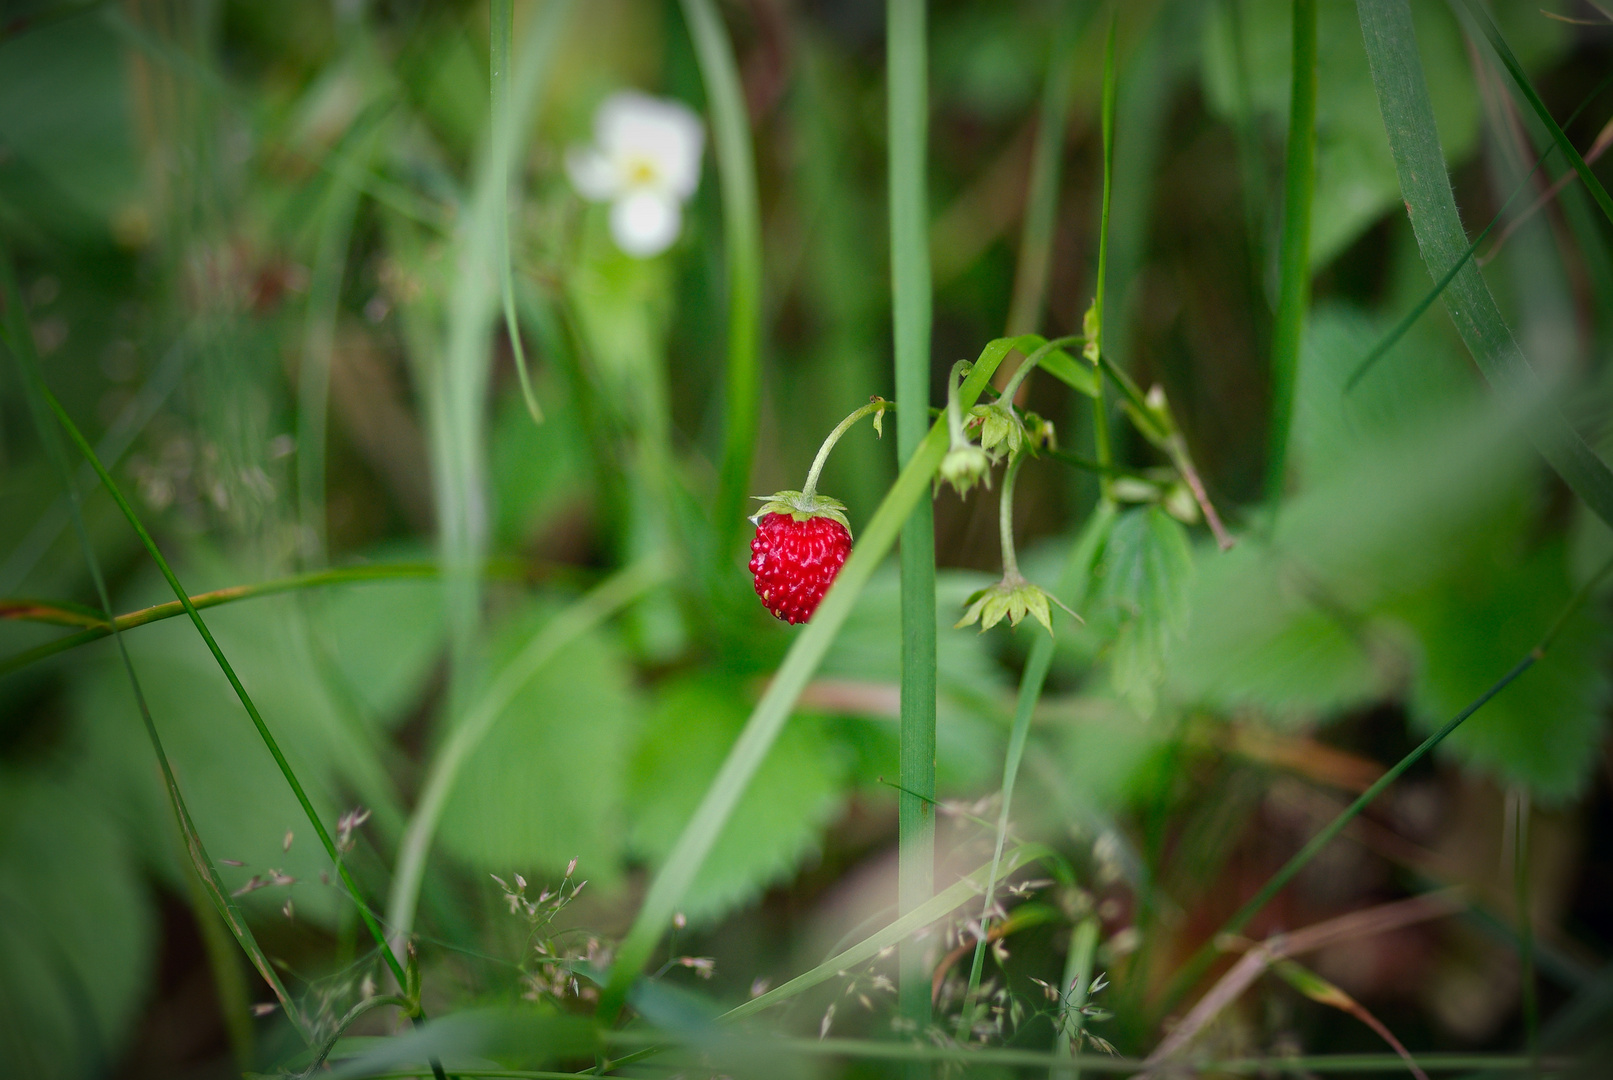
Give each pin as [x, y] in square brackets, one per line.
[779, 819]
[1144, 578]
[1544, 731]
[545, 785]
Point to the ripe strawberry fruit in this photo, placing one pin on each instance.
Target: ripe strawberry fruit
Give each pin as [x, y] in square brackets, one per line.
[797, 552]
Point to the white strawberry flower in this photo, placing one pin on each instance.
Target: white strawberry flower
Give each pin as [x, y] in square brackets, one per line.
[645, 162]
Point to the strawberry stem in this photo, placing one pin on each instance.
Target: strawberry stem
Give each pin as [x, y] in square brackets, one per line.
[1005, 520]
[877, 405]
[954, 413]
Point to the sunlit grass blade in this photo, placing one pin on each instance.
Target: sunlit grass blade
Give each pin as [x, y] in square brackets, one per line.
[1041, 201]
[584, 615]
[766, 720]
[1196, 967]
[742, 243]
[501, 29]
[59, 613]
[907, 137]
[20, 340]
[1071, 589]
[1293, 258]
[1391, 47]
[1526, 88]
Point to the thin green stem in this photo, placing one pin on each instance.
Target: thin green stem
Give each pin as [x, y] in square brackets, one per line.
[96, 627]
[954, 414]
[742, 241]
[269, 741]
[1294, 280]
[875, 406]
[1032, 362]
[1005, 519]
[907, 126]
[40, 402]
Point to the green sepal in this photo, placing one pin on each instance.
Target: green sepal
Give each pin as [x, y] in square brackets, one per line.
[1013, 597]
[801, 507]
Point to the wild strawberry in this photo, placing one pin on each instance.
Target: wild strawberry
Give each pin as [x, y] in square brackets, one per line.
[801, 543]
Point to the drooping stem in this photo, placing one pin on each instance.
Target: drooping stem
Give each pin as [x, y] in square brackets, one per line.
[1005, 519]
[954, 411]
[875, 406]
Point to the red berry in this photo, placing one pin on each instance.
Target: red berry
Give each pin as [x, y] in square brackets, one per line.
[795, 562]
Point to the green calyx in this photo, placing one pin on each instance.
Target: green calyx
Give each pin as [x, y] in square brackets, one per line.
[802, 506]
[1013, 598]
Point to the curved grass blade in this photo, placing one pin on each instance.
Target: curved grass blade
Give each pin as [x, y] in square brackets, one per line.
[907, 133]
[1293, 258]
[768, 717]
[500, 30]
[742, 240]
[1515, 69]
[1411, 317]
[20, 339]
[1391, 47]
[96, 626]
[588, 612]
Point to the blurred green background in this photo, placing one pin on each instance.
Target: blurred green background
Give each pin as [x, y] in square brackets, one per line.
[239, 229]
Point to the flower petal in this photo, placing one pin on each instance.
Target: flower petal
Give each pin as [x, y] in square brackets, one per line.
[663, 134]
[594, 175]
[645, 222]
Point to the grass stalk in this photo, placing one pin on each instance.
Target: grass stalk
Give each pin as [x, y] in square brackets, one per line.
[767, 719]
[1029, 301]
[742, 240]
[1294, 246]
[907, 125]
[41, 403]
[96, 626]
[1521, 882]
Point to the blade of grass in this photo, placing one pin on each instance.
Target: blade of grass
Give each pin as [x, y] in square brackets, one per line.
[1519, 800]
[501, 29]
[457, 395]
[767, 718]
[269, 741]
[40, 403]
[97, 627]
[1100, 407]
[1411, 317]
[582, 616]
[1515, 69]
[742, 241]
[1397, 74]
[907, 126]
[1041, 201]
[1072, 589]
[1293, 258]
[1196, 966]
